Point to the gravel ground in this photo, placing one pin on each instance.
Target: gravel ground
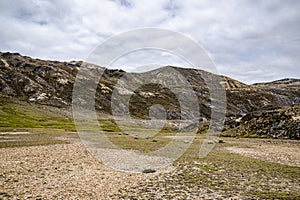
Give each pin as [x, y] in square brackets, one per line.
[277, 151]
[64, 171]
[230, 177]
[68, 171]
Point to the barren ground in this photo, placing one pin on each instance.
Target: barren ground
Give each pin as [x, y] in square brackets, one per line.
[236, 169]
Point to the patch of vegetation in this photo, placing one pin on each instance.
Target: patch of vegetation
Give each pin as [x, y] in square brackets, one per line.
[224, 174]
[234, 173]
[27, 116]
[129, 138]
[208, 168]
[34, 137]
[23, 124]
[31, 143]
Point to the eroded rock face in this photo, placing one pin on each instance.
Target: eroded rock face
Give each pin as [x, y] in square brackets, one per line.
[51, 83]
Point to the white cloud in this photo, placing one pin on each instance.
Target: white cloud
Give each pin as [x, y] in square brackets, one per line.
[248, 40]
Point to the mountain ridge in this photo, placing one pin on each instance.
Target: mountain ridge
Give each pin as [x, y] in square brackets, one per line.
[51, 83]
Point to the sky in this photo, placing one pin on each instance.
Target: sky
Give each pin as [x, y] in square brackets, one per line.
[249, 40]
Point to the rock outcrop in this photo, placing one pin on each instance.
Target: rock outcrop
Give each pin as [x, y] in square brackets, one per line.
[279, 123]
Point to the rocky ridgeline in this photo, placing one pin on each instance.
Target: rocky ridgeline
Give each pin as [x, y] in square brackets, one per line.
[34, 80]
[41, 81]
[51, 83]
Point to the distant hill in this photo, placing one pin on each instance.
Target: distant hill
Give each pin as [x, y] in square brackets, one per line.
[51, 83]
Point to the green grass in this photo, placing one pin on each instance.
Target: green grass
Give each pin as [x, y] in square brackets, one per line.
[208, 168]
[225, 174]
[45, 125]
[252, 177]
[34, 137]
[23, 116]
[27, 116]
[31, 143]
[128, 141]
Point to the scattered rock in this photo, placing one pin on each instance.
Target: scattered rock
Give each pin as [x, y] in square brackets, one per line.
[147, 171]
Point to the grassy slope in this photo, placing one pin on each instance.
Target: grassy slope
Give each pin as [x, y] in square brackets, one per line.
[42, 125]
[23, 115]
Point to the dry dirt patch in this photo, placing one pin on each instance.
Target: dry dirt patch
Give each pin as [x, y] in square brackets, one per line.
[283, 152]
[60, 171]
[14, 133]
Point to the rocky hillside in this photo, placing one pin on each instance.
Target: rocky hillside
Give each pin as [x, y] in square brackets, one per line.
[286, 90]
[34, 80]
[51, 83]
[278, 123]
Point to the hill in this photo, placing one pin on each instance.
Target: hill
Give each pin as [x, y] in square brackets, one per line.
[50, 83]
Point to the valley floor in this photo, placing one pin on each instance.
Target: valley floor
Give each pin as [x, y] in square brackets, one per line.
[236, 169]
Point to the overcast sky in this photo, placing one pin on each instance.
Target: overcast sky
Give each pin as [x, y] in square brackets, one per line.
[251, 41]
